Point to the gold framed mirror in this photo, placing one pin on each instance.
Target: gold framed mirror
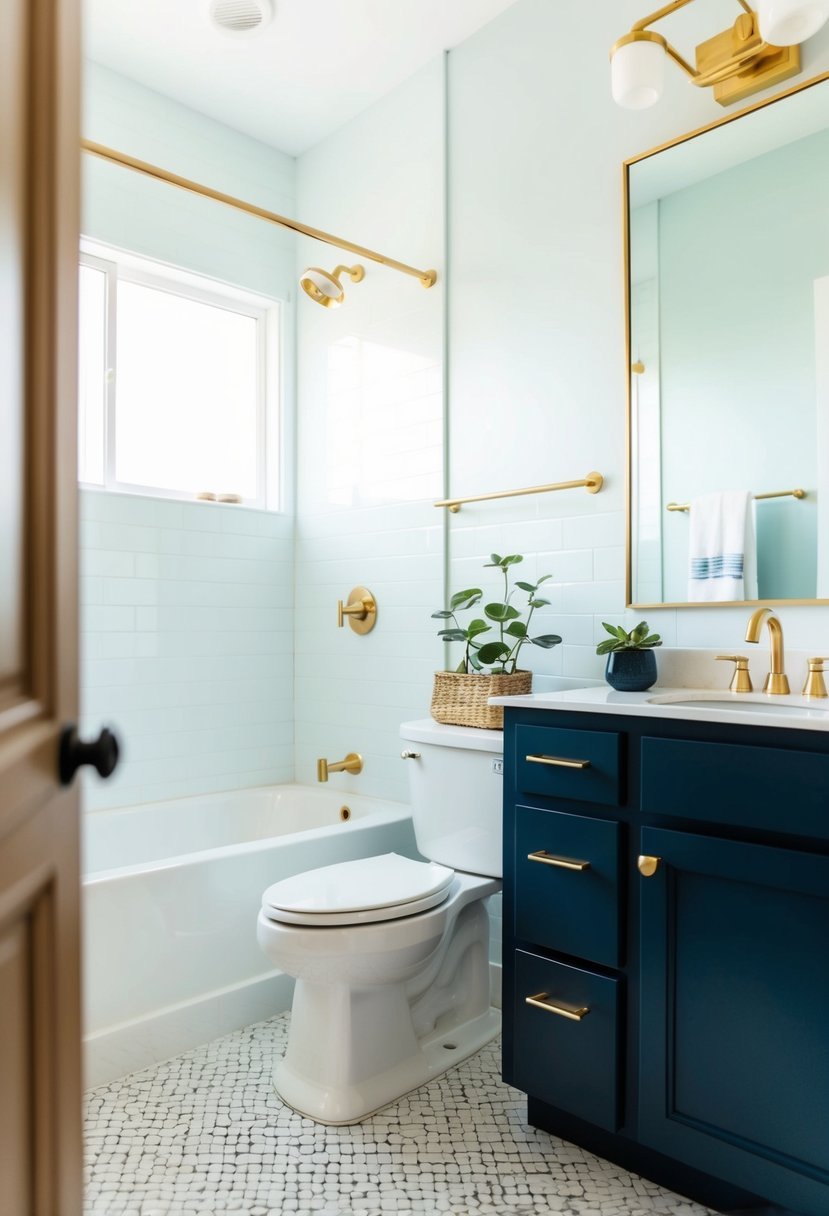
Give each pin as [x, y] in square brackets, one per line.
[726, 235]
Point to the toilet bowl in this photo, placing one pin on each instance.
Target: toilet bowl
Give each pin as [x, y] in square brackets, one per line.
[391, 955]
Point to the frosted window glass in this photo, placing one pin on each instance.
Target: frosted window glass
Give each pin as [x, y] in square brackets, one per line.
[91, 374]
[186, 394]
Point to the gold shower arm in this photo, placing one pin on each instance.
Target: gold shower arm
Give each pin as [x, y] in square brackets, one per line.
[427, 278]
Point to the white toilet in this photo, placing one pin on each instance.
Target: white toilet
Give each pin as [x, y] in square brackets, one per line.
[390, 955]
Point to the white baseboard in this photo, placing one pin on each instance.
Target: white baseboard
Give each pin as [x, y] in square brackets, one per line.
[113, 1053]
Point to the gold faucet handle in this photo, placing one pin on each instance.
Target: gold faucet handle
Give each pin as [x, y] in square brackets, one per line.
[741, 680]
[361, 610]
[815, 685]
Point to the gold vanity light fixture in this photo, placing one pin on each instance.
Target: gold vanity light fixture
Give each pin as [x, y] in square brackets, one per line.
[426, 278]
[326, 288]
[759, 50]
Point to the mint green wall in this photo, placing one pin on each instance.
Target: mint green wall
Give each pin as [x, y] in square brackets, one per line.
[739, 254]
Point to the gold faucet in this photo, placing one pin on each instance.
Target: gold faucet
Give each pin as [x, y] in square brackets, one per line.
[353, 763]
[777, 683]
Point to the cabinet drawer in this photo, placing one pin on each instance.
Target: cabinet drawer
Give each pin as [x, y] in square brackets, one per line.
[566, 1042]
[756, 787]
[577, 764]
[567, 875]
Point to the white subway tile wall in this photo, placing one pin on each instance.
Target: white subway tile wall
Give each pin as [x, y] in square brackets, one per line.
[186, 645]
[370, 437]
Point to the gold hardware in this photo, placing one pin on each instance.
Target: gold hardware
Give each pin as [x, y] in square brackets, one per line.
[557, 762]
[573, 1013]
[410, 755]
[314, 281]
[741, 680]
[561, 863]
[427, 278]
[776, 685]
[353, 764]
[638, 368]
[361, 610]
[648, 865]
[345, 813]
[686, 506]
[815, 685]
[735, 63]
[593, 483]
[630, 599]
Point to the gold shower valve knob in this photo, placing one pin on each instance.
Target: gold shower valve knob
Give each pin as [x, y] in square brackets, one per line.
[360, 609]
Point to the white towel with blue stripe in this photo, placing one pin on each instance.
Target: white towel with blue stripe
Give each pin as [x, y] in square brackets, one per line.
[723, 550]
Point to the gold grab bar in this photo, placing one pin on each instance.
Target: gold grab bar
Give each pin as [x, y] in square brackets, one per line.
[426, 277]
[573, 1013]
[562, 863]
[593, 482]
[686, 506]
[557, 762]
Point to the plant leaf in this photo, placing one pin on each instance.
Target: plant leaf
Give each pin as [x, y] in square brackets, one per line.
[501, 612]
[475, 661]
[461, 668]
[495, 559]
[517, 629]
[607, 646]
[537, 603]
[546, 641]
[611, 629]
[493, 651]
[477, 626]
[512, 560]
[526, 586]
[544, 578]
[443, 615]
[453, 635]
[466, 599]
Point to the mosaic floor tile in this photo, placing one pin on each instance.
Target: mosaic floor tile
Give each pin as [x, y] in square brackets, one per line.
[205, 1134]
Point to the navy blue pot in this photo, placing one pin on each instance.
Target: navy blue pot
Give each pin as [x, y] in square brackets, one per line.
[631, 670]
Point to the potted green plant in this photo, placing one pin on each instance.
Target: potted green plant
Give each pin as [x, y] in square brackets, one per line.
[631, 663]
[489, 666]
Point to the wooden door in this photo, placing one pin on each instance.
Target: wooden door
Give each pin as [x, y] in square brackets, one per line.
[40, 1141]
[734, 1073]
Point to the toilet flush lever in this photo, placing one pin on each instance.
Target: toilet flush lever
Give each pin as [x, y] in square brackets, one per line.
[410, 755]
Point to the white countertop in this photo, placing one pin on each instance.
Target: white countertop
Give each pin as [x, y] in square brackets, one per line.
[791, 712]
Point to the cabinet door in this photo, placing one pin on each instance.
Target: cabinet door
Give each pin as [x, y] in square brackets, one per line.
[734, 1066]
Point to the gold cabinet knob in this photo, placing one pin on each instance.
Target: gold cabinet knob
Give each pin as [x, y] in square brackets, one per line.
[741, 680]
[648, 865]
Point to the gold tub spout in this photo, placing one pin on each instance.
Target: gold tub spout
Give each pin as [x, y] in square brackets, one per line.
[353, 763]
[777, 683]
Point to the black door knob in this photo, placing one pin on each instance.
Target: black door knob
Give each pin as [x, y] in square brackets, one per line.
[102, 754]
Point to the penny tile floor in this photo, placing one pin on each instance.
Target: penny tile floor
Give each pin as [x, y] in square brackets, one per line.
[205, 1133]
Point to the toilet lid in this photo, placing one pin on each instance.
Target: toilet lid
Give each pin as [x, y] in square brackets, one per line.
[355, 892]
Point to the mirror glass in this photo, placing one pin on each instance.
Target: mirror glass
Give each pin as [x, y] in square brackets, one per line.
[729, 360]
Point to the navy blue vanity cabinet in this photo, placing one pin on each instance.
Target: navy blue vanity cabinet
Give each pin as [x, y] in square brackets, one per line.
[666, 949]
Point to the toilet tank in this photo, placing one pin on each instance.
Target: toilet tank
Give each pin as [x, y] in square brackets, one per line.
[456, 790]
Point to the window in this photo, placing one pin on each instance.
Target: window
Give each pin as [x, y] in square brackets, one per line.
[178, 383]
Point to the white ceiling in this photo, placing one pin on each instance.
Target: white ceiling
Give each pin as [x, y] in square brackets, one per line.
[313, 68]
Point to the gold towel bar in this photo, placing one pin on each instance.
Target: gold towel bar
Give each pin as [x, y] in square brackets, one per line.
[686, 506]
[593, 482]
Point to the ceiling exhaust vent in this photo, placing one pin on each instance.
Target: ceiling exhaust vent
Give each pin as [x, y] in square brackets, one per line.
[240, 16]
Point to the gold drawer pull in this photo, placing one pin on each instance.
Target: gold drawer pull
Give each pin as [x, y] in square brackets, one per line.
[573, 1013]
[561, 863]
[648, 865]
[557, 762]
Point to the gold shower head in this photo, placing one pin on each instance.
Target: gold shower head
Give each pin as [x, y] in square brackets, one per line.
[327, 289]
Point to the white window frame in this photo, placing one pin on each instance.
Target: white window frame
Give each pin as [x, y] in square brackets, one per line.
[119, 265]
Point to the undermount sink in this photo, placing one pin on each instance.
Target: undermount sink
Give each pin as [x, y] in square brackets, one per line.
[739, 704]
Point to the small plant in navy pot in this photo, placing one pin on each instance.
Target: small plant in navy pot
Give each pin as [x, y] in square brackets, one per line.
[631, 663]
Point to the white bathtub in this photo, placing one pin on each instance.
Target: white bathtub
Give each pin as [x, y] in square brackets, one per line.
[171, 895]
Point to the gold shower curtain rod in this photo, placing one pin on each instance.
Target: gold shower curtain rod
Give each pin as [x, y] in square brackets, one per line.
[427, 278]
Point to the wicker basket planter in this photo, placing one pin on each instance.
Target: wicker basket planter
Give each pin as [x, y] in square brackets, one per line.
[461, 700]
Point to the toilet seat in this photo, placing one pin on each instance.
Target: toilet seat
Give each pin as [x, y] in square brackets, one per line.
[368, 890]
